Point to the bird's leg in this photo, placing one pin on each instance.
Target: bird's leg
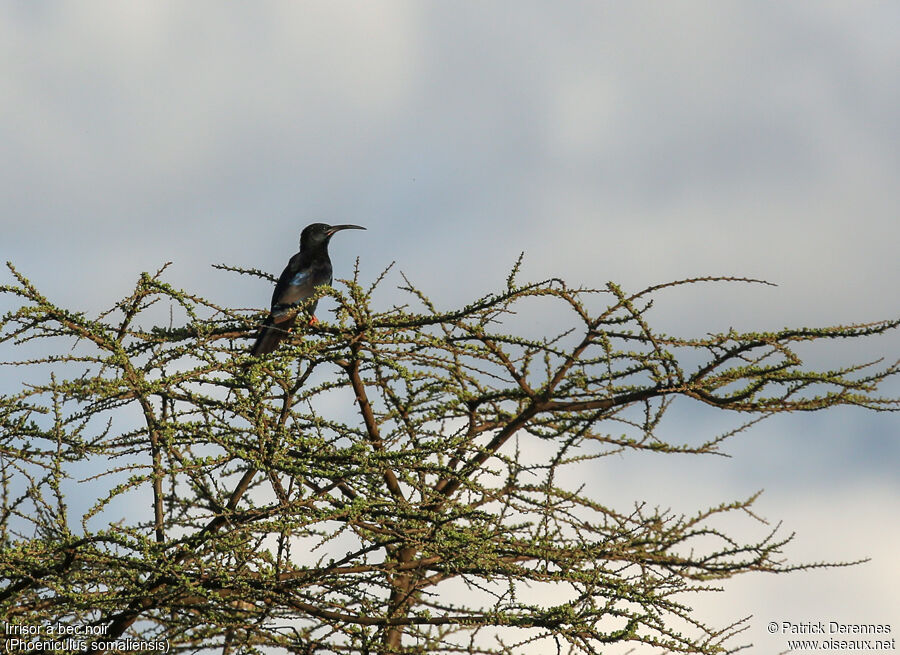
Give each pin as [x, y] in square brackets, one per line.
[313, 320]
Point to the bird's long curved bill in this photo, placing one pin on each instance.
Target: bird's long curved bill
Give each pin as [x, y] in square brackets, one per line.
[335, 228]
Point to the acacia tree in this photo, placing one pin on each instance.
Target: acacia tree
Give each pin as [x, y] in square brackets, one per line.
[391, 481]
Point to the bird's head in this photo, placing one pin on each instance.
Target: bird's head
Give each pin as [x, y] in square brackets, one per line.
[319, 233]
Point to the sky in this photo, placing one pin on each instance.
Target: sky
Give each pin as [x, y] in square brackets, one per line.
[636, 142]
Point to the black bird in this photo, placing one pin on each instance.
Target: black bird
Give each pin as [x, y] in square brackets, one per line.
[306, 270]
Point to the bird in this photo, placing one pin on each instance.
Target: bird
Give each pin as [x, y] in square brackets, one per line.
[305, 271]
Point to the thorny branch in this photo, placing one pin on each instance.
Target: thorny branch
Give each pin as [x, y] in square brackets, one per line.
[321, 499]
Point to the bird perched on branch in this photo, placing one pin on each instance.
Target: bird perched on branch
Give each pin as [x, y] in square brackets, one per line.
[306, 270]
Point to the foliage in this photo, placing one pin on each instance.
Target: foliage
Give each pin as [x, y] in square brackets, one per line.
[391, 481]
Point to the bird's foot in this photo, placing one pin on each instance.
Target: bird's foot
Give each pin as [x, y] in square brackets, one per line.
[313, 320]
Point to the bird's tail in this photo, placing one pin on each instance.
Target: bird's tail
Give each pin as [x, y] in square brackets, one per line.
[270, 335]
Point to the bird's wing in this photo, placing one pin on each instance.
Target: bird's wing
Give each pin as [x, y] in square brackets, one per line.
[294, 285]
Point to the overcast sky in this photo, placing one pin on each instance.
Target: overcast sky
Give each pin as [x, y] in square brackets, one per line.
[636, 142]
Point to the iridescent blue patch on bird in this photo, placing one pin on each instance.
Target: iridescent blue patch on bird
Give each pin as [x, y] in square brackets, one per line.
[300, 277]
